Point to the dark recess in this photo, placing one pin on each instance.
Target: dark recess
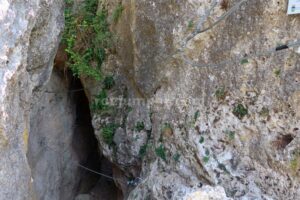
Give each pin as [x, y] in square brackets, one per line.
[85, 144]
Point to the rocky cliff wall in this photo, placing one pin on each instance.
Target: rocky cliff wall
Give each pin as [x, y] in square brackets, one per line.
[222, 109]
[212, 117]
[29, 36]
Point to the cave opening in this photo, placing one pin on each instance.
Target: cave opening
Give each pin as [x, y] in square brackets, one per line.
[62, 139]
[85, 146]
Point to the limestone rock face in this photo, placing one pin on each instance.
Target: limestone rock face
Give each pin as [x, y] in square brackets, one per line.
[232, 122]
[50, 154]
[29, 36]
[215, 116]
[208, 193]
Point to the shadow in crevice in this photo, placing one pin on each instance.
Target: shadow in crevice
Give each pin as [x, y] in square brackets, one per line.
[85, 145]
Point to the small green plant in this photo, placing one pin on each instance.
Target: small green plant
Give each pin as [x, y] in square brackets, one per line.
[108, 82]
[295, 162]
[205, 159]
[201, 140]
[196, 115]
[143, 150]
[129, 108]
[100, 102]
[108, 133]
[190, 24]
[86, 37]
[277, 72]
[240, 111]
[161, 152]
[117, 13]
[68, 2]
[230, 134]
[264, 112]
[244, 61]
[220, 93]
[139, 126]
[176, 157]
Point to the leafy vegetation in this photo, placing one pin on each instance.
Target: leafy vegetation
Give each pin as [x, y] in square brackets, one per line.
[139, 126]
[230, 134]
[143, 150]
[264, 112]
[176, 157]
[277, 72]
[108, 133]
[87, 37]
[240, 111]
[117, 13]
[129, 108]
[295, 162]
[196, 115]
[108, 82]
[190, 24]
[205, 159]
[201, 140]
[244, 61]
[161, 152]
[220, 93]
[100, 102]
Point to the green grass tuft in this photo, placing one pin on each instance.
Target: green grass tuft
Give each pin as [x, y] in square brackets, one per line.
[240, 111]
[108, 133]
[196, 115]
[220, 93]
[117, 13]
[176, 157]
[201, 140]
[277, 72]
[143, 150]
[86, 37]
[230, 134]
[100, 102]
[264, 112]
[108, 82]
[205, 159]
[139, 126]
[160, 152]
[244, 61]
[190, 24]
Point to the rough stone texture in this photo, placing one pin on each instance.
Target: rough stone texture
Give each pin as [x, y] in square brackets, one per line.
[29, 36]
[208, 193]
[256, 157]
[50, 154]
[208, 149]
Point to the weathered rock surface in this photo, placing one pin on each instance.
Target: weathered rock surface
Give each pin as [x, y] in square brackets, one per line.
[251, 157]
[52, 159]
[195, 142]
[29, 36]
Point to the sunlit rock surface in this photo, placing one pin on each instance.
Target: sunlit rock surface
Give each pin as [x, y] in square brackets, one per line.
[29, 36]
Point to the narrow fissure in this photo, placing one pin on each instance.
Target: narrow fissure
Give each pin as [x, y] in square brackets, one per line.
[61, 140]
[85, 145]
